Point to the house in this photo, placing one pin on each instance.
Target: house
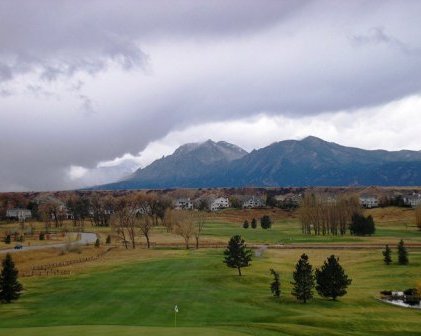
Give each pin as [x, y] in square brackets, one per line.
[19, 214]
[183, 204]
[369, 201]
[413, 200]
[289, 200]
[253, 202]
[219, 203]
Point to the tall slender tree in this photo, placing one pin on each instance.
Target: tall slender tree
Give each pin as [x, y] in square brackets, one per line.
[275, 286]
[402, 253]
[331, 279]
[387, 254]
[237, 255]
[418, 217]
[10, 288]
[303, 280]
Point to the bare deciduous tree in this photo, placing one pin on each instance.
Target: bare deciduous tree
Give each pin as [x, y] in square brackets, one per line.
[182, 223]
[123, 221]
[326, 215]
[199, 222]
[145, 222]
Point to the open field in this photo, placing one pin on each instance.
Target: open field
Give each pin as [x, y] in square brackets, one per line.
[140, 288]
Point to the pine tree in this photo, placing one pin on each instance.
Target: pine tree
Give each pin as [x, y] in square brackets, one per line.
[254, 223]
[108, 240]
[275, 286]
[246, 224]
[10, 287]
[331, 279]
[97, 242]
[236, 254]
[402, 253]
[387, 254]
[303, 280]
[265, 222]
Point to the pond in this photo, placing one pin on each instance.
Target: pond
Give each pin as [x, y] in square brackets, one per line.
[408, 299]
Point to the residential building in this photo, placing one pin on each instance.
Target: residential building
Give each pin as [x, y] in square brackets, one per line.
[369, 201]
[413, 200]
[254, 202]
[219, 203]
[19, 214]
[183, 204]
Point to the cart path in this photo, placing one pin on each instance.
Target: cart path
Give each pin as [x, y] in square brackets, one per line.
[85, 238]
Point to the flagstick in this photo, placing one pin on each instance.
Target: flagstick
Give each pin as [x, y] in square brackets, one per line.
[175, 319]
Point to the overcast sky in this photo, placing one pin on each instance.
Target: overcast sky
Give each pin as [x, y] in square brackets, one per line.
[89, 90]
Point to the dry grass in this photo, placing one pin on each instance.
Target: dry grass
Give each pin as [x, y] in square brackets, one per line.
[25, 260]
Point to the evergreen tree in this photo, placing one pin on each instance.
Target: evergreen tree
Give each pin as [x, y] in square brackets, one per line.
[275, 286]
[265, 222]
[8, 239]
[108, 240]
[387, 254]
[10, 287]
[236, 254]
[331, 279]
[246, 224]
[254, 223]
[402, 253]
[97, 242]
[361, 226]
[303, 280]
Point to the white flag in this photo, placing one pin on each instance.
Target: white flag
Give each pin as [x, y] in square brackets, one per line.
[176, 309]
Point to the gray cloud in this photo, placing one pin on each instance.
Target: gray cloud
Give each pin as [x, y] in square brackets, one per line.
[377, 35]
[87, 81]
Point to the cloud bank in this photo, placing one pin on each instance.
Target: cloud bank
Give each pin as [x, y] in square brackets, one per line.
[83, 83]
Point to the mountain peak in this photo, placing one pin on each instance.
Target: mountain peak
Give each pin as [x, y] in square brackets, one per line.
[313, 139]
[310, 161]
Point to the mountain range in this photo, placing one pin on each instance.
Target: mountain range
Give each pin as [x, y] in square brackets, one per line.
[308, 162]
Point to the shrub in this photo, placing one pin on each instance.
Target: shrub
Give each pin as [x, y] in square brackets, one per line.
[386, 292]
[246, 224]
[254, 223]
[108, 240]
[265, 222]
[7, 239]
[41, 236]
[410, 291]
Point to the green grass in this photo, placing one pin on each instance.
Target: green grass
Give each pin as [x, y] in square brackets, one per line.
[107, 330]
[289, 231]
[139, 298]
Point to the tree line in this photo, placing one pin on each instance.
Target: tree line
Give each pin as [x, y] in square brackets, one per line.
[321, 215]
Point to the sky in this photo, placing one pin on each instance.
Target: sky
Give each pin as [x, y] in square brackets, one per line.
[91, 90]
